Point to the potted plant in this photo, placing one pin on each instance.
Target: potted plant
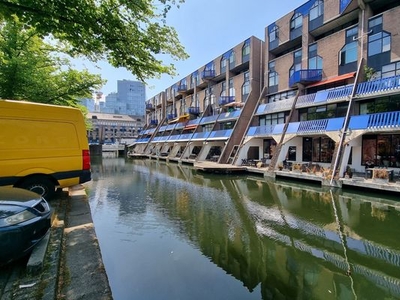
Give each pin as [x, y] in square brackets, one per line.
[297, 167]
[280, 166]
[381, 175]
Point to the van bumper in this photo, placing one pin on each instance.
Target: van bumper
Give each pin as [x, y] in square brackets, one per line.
[85, 176]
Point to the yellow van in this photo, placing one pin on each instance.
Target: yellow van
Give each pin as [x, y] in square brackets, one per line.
[42, 147]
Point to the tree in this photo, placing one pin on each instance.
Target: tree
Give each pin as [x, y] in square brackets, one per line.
[31, 69]
[127, 33]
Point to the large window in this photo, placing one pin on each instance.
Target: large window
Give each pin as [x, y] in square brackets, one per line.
[273, 77]
[314, 61]
[378, 43]
[246, 51]
[390, 70]
[297, 56]
[273, 119]
[383, 104]
[223, 64]
[316, 10]
[246, 86]
[381, 150]
[296, 21]
[348, 53]
[274, 33]
[323, 112]
[322, 149]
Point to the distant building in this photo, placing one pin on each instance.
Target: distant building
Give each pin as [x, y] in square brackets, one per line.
[128, 100]
[89, 103]
[112, 128]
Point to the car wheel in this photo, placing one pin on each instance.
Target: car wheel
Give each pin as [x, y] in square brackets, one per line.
[40, 185]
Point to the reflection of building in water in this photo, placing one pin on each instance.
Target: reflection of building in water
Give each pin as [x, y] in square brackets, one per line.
[282, 238]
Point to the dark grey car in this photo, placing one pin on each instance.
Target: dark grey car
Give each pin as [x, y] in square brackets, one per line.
[25, 218]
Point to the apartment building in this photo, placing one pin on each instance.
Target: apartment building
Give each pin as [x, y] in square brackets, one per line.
[206, 113]
[113, 128]
[323, 89]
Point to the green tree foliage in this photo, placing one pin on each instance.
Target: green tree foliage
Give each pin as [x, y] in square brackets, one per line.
[31, 69]
[130, 34]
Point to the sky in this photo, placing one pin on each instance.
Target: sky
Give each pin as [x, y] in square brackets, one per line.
[207, 29]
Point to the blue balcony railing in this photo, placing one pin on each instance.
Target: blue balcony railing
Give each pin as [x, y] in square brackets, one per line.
[154, 122]
[181, 88]
[194, 110]
[260, 130]
[149, 106]
[220, 134]
[375, 121]
[223, 100]
[209, 119]
[305, 77]
[171, 116]
[208, 74]
[378, 86]
[201, 135]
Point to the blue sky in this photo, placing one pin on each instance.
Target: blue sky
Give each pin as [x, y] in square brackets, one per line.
[207, 29]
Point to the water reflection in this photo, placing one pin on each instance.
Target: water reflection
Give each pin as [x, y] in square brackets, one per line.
[279, 240]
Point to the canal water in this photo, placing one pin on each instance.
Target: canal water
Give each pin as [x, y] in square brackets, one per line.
[167, 231]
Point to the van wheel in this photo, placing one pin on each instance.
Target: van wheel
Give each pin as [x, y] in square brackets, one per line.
[40, 185]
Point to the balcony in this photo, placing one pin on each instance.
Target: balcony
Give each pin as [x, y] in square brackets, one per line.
[305, 77]
[171, 116]
[154, 122]
[223, 100]
[379, 86]
[181, 88]
[149, 106]
[194, 110]
[208, 74]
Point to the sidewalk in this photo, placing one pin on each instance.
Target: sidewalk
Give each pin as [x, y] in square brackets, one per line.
[72, 266]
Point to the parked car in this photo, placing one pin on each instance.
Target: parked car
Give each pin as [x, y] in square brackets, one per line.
[25, 218]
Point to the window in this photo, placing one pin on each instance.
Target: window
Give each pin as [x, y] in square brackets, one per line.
[383, 104]
[322, 149]
[223, 88]
[273, 119]
[391, 70]
[378, 43]
[381, 150]
[194, 80]
[375, 22]
[348, 54]
[245, 90]
[232, 59]
[323, 112]
[314, 61]
[223, 65]
[246, 86]
[231, 88]
[274, 33]
[273, 77]
[297, 56]
[246, 51]
[316, 10]
[296, 21]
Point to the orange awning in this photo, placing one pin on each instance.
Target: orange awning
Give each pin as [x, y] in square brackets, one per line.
[234, 104]
[333, 79]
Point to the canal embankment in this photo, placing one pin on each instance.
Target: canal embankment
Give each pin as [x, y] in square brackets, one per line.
[72, 267]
